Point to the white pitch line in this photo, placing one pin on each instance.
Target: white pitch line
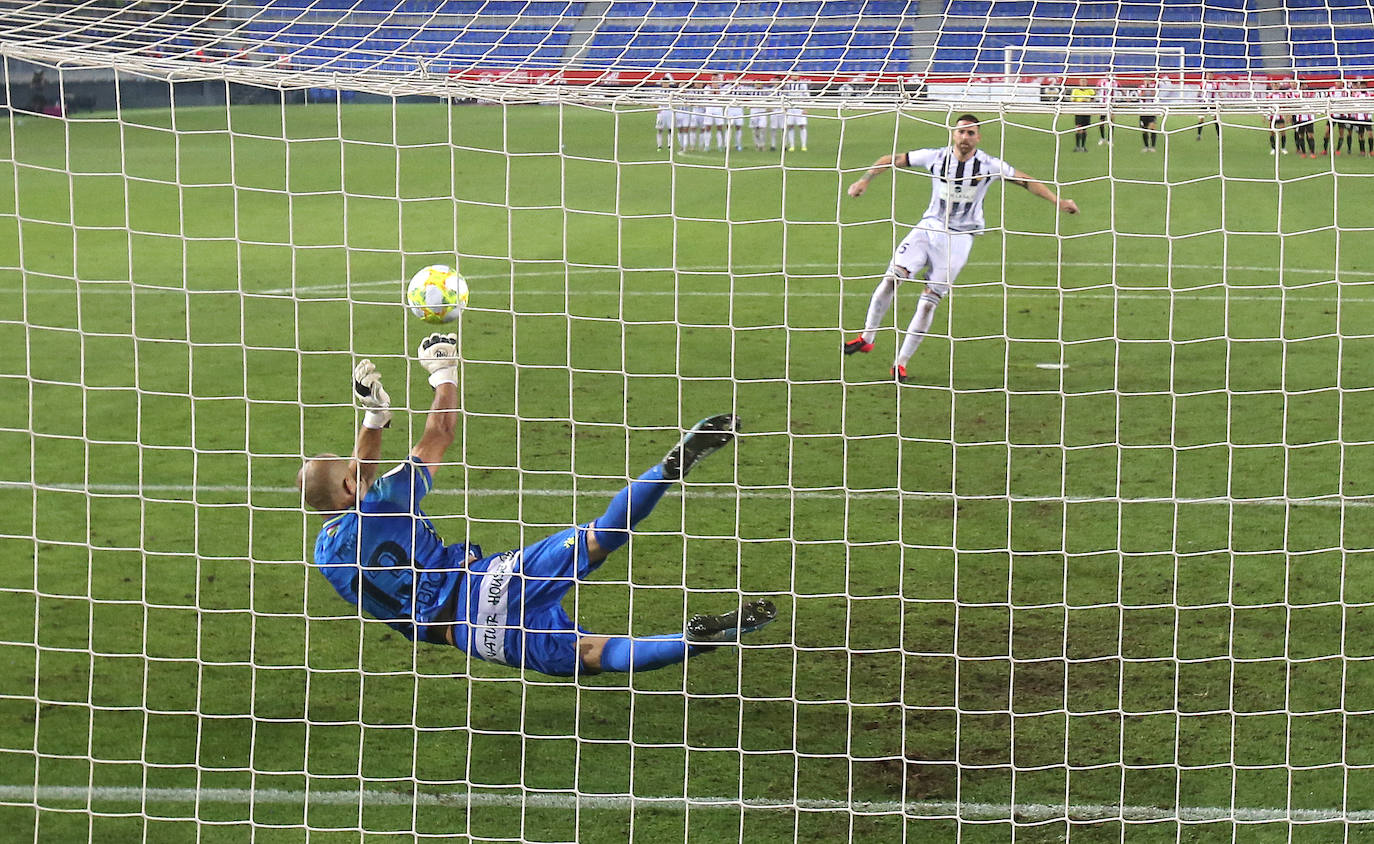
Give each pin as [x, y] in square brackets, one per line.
[1120, 294]
[1029, 812]
[123, 287]
[713, 491]
[769, 269]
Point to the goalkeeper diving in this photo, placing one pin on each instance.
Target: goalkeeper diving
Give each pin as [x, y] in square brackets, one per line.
[381, 552]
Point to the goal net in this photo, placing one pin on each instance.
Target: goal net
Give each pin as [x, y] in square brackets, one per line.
[1024, 60]
[1100, 569]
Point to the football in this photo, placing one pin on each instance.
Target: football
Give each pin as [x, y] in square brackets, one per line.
[437, 294]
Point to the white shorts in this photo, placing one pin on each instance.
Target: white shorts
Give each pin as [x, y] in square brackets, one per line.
[940, 255]
[664, 120]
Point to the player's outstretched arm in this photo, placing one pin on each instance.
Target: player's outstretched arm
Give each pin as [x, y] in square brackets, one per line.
[879, 166]
[1035, 187]
[439, 357]
[367, 450]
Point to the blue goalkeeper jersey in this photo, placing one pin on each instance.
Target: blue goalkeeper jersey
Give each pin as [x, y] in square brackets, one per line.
[387, 558]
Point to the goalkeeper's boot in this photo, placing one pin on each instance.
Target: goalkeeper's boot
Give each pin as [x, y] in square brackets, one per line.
[705, 437]
[858, 344]
[728, 627]
[898, 373]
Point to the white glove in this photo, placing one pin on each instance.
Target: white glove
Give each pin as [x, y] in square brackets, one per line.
[367, 386]
[439, 357]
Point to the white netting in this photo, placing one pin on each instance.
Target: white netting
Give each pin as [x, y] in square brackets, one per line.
[1098, 570]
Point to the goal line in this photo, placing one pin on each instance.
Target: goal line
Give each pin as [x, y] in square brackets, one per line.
[926, 809]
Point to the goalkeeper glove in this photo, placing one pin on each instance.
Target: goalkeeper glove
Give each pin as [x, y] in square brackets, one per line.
[439, 357]
[367, 386]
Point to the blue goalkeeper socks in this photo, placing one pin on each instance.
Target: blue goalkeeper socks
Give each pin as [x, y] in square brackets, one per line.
[629, 506]
[623, 653]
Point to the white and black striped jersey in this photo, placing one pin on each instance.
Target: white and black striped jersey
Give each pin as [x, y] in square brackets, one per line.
[957, 188]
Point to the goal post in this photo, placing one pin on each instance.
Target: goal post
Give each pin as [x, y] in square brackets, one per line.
[1099, 569]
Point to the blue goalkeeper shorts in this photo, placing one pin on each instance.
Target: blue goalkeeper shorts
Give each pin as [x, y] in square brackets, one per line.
[530, 629]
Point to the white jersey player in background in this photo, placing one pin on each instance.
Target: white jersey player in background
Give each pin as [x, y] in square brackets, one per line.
[796, 92]
[960, 175]
[715, 113]
[758, 116]
[665, 122]
[734, 113]
[701, 128]
[777, 118]
[1107, 95]
[1209, 95]
[682, 125]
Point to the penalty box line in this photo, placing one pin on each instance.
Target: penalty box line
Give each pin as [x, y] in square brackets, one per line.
[932, 809]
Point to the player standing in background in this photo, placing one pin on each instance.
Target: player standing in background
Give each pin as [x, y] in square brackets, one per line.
[1081, 93]
[715, 113]
[734, 113]
[1304, 125]
[682, 122]
[1278, 135]
[665, 121]
[1210, 94]
[960, 175]
[1344, 121]
[701, 127]
[797, 91]
[1106, 96]
[1364, 120]
[758, 116]
[1149, 123]
[380, 551]
[777, 117]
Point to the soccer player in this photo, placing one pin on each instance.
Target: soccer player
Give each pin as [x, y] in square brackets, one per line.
[1106, 95]
[777, 118]
[1364, 124]
[380, 551]
[1278, 133]
[1304, 126]
[758, 117]
[682, 125]
[1210, 93]
[665, 120]
[939, 245]
[795, 118]
[734, 113]
[1081, 94]
[1149, 123]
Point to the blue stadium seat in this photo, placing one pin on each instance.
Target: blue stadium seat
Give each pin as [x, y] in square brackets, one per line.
[1182, 13]
[1094, 11]
[1305, 17]
[1140, 11]
[969, 8]
[801, 10]
[1352, 16]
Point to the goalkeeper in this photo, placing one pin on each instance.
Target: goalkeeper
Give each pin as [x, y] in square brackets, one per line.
[380, 551]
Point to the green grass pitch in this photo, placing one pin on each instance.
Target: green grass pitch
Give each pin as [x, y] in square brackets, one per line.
[1007, 582]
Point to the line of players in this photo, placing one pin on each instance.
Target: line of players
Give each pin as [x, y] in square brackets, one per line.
[1349, 126]
[1352, 128]
[692, 121]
